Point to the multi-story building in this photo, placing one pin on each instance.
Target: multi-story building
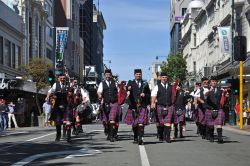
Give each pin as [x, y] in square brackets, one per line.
[49, 39]
[11, 42]
[67, 15]
[97, 45]
[201, 41]
[177, 11]
[156, 70]
[86, 28]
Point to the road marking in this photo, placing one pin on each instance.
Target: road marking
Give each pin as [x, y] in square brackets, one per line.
[6, 147]
[73, 153]
[39, 137]
[144, 156]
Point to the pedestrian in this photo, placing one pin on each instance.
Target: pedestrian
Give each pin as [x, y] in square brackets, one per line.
[237, 112]
[3, 114]
[109, 110]
[58, 90]
[162, 95]
[47, 107]
[11, 114]
[139, 99]
[245, 120]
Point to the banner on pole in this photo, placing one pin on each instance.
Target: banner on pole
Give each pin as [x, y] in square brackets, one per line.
[225, 39]
[61, 39]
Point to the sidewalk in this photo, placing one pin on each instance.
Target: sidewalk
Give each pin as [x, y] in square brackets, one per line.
[236, 129]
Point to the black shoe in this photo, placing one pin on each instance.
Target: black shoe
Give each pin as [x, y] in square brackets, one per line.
[211, 139]
[112, 139]
[116, 138]
[168, 140]
[135, 141]
[181, 136]
[220, 141]
[161, 139]
[69, 140]
[57, 139]
[108, 138]
[141, 142]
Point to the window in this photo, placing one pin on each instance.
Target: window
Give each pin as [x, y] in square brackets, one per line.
[13, 57]
[195, 40]
[49, 53]
[19, 55]
[49, 31]
[183, 11]
[1, 50]
[194, 63]
[7, 52]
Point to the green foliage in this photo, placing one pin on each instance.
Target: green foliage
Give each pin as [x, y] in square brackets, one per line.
[38, 69]
[175, 67]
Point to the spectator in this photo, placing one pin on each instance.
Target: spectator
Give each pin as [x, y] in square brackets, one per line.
[245, 117]
[237, 112]
[47, 111]
[11, 114]
[4, 115]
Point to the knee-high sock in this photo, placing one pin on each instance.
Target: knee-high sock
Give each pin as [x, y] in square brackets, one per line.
[58, 131]
[68, 128]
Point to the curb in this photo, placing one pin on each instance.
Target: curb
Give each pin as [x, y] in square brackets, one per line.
[242, 132]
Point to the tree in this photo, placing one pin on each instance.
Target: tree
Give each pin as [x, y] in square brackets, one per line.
[175, 67]
[38, 69]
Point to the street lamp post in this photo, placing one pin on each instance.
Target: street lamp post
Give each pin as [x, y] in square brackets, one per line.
[109, 61]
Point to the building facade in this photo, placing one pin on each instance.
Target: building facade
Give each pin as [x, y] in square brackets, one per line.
[97, 42]
[67, 15]
[11, 42]
[177, 11]
[86, 28]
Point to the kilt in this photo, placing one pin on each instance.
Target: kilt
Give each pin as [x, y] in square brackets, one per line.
[169, 118]
[68, 114]
[219, 120]
[113, 115]
[57, 115]
[201, 117]
[142, 118]
[179, 118]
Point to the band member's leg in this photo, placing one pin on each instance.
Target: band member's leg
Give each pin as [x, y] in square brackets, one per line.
[219, 132]
[68, 129]
[58, 132]
[175, 130]
[140, 133]
[135, 131]
[112, 131]
[181, 124]
[167, 131]
[161, 130]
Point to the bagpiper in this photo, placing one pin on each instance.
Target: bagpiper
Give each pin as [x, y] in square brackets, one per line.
[109, 110]
[139, 99]
[58, 90]
[215, 116]
[162, 93]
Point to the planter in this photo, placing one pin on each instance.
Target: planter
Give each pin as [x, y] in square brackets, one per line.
[40, 121]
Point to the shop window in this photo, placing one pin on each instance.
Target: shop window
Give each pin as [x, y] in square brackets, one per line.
[1, 50]
[7, 52]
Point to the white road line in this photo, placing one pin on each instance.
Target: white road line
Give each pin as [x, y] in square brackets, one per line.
[144, 156]
[6, 147]
[39, 137]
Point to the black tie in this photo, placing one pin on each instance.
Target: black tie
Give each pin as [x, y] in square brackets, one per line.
[165, 86]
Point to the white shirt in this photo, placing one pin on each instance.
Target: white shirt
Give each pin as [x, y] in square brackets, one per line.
[100, 87]
[155, 90]
[196, 93]
[53, 88]
[84, 94]
[47, 107]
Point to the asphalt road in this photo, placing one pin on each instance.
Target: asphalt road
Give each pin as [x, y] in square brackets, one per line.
[36, 146]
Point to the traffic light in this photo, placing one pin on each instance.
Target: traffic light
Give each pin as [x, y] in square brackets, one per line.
[235, 85]
[240, 51]
[51, 77]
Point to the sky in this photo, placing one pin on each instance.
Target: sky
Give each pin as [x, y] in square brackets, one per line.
[137, 31]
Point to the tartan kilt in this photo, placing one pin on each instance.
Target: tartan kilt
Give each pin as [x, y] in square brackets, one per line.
[113, 115]
[57, 115]
[180, 118]
[219, 120]
[201, 117]
[169, 118]
[153, 117]
[68, 114]
[141, 119]
[195, 115]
